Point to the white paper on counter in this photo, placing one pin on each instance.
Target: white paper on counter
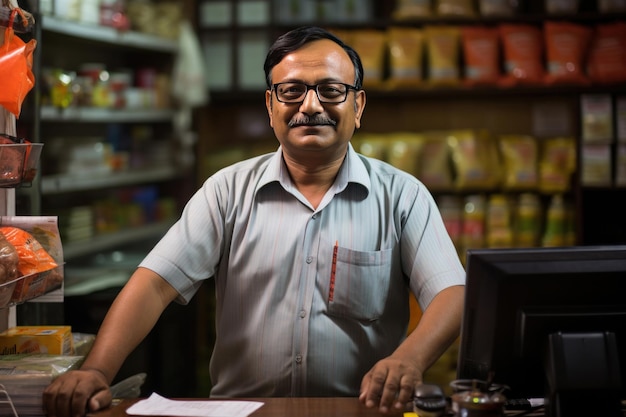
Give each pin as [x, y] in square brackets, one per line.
[156, 405]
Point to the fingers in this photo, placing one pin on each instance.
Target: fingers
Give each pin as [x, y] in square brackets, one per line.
[100, 400]
[74, 393]
[388, 387]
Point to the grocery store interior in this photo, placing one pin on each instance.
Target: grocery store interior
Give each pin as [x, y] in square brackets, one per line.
[513, 114]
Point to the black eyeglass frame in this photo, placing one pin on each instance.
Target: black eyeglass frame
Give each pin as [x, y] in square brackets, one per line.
[314, 87]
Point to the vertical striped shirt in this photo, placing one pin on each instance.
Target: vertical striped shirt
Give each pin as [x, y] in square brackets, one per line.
[281, 329]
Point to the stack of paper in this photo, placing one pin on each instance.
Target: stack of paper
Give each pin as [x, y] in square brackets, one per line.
[24, 377]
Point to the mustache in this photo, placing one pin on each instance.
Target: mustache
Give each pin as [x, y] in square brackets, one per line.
[315, 120]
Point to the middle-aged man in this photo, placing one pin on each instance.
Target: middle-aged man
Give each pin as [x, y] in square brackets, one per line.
[313, 248]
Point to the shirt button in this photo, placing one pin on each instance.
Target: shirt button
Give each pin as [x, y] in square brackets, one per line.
[314, 216]
[298, 359]
[302, 314]
[309, 259]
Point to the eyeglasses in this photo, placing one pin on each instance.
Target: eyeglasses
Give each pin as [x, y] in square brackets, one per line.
[326, 92]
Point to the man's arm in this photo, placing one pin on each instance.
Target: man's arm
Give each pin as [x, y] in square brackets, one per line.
[392, 381]
[132, 315]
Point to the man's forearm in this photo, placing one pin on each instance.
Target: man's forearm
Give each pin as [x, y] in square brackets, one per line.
[437, 329]
[132, 315]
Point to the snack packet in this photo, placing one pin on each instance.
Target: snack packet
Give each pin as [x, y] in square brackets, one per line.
[481, 50]
[405, 47]
[33, 258]
[606, 63]
[442, 46]
[523, 49]
[566, 45]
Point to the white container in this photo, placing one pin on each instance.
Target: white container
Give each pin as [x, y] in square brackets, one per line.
[90, 12]
[67, 9]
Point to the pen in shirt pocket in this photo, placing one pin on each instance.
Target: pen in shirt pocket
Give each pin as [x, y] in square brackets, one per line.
[333, 272]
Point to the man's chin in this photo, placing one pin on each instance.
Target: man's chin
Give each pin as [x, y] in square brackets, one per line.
[312, 142]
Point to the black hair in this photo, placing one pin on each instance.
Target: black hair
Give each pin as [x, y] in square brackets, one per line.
[296, 38]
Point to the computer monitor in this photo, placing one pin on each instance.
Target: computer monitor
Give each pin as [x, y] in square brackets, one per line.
[517, 298]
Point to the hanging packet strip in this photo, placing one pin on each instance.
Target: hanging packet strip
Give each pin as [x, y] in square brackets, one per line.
[16, 62]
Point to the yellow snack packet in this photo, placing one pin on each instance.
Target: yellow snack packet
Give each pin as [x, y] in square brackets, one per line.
[370, 45]
[404, 151]
[406, 46]
[442, 45]
[475, 159]
[520, 158]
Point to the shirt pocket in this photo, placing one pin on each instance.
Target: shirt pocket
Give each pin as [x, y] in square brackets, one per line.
[361, 284]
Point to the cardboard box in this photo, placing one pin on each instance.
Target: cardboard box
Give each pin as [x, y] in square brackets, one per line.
[52, 340]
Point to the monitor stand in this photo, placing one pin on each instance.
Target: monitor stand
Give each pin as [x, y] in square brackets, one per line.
[583, 375]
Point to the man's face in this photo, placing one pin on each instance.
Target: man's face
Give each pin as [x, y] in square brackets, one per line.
[311, 125]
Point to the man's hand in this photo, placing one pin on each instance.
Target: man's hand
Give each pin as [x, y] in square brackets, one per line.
[390, 384]
[75, 393]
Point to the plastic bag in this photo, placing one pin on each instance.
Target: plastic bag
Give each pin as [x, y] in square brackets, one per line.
[9, 260]
[33, 258]
[16, 62]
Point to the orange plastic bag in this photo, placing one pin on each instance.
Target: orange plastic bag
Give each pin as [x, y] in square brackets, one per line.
[16, 63]
[33, 258]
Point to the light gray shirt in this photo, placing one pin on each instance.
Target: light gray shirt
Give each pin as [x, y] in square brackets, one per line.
[281, 329]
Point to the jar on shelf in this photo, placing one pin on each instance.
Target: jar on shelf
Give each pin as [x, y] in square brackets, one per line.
[556, 223]
[499, 232]
[473, 229]
[528, 220]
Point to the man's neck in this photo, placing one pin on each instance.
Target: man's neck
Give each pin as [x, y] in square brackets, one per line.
[313, 180]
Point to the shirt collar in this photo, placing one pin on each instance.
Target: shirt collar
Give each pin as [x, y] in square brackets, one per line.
[352, 170]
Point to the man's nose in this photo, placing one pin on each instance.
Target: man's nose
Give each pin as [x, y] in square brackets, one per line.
[311, 103]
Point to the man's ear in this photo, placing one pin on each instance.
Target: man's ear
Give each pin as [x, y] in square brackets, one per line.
[359, 104]
[268, 105]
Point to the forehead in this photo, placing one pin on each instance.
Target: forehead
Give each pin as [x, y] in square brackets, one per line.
[317, 60]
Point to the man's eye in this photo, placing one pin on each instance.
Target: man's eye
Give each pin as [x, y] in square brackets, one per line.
[330, 90]
[293, 90]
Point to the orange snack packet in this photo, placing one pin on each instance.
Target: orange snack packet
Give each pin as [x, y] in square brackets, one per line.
[566, 46]
[481, 51]
[523, 49]
[606, 62]
[33, 258]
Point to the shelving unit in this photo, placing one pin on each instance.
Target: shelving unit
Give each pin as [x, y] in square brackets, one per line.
[67, 45]
[58, 184]
[91, 285]
[518, 110]
[97, 115]
[108, 35]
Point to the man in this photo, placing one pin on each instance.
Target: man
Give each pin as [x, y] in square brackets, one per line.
[313, 250]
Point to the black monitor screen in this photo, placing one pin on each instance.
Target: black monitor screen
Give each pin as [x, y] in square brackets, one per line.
[515, 298]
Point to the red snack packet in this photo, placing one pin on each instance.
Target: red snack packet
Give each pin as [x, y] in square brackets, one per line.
[481, 50]
[523, 49]
[606, 62]
[566, 46]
